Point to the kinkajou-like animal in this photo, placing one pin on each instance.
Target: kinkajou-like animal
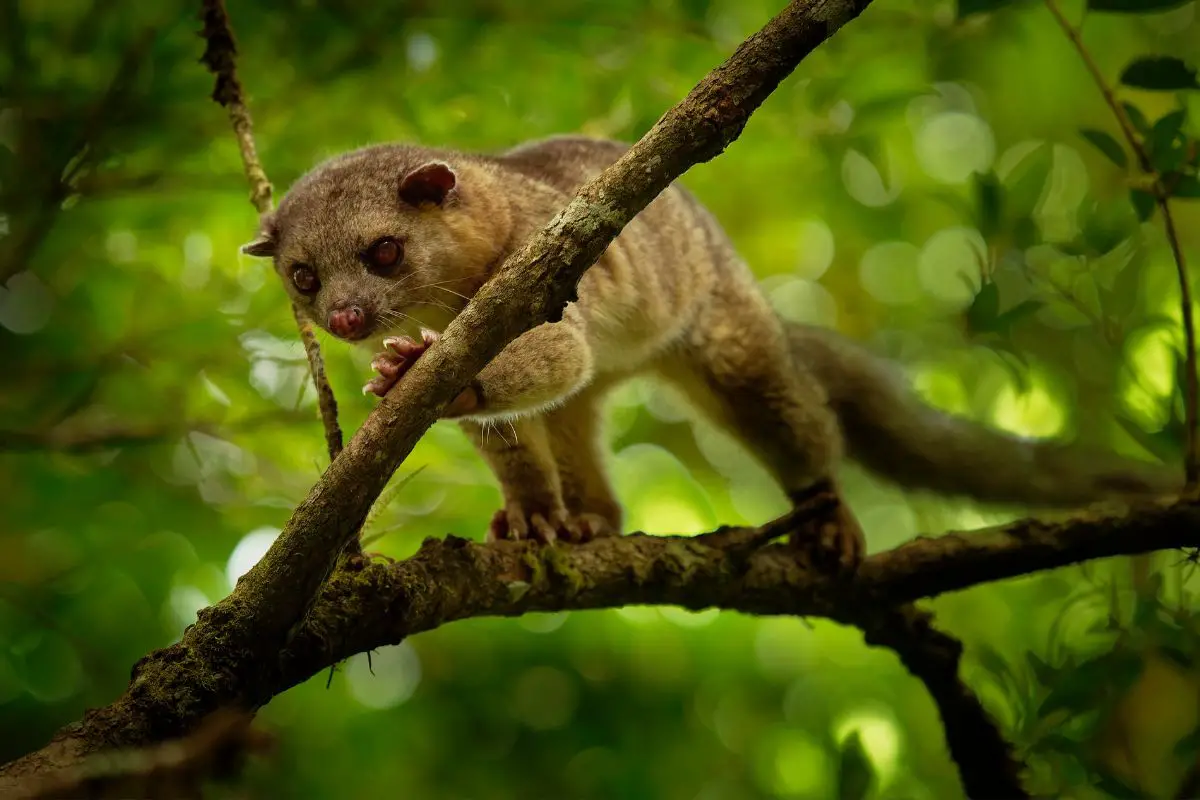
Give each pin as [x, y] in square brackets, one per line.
[391, 234]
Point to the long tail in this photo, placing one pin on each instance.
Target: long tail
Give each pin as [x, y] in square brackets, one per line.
[891, 432]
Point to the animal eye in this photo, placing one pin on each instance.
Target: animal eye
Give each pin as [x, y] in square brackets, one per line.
[306, 279]
[383, 254]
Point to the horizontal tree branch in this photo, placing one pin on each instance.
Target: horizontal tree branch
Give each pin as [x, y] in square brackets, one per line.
[452, 579]
[370, 605]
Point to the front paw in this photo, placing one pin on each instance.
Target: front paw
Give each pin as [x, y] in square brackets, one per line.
[399, 355]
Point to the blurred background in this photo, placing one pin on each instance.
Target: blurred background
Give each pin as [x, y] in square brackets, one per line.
[921, 182]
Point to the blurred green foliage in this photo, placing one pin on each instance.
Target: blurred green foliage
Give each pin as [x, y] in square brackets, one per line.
[942, 180]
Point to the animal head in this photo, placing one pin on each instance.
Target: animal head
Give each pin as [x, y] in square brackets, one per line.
[366, 238]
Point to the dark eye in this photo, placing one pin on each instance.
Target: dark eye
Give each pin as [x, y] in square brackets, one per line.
[383, 255]
[305, 278]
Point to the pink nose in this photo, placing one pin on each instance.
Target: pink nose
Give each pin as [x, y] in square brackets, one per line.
[347, 322]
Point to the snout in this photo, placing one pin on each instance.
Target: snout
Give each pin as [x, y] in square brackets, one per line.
[350, 322]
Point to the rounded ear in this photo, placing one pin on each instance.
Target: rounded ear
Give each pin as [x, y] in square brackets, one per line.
[428, 184]
[265, 245]
[262, 247]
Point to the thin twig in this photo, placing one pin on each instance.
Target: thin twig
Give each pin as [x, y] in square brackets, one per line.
[220, 54]
[325, 398]
[1161, 197]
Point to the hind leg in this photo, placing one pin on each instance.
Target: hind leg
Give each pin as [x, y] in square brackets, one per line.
[576, 440]
[520, 458]
[736, 367]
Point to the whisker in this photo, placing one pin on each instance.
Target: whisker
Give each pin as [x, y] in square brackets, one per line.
[503, 438]
[513, 428]
[435, 304]
[398, 285]
[438, 285]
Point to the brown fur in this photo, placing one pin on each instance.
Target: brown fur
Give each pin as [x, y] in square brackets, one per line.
[669, 298]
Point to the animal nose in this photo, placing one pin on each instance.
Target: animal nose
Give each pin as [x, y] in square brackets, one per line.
[347, 322]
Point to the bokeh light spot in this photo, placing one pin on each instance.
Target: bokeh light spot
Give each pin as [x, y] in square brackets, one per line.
[197, 260]
[184, 602]
[880, 736]
[953, 145]
[542, 623]
[949, 265]
[385, 680]
[686, 618]
[803, 301]
[800, 767]
[121, 246]
[421, 51]
[544, 698]
[817, 249]
[248, 552]
[864, 182]
[1034, 413]
[25, 303]
[49, 665]
[888, 271]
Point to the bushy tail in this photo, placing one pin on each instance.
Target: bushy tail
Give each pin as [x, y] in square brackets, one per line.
[890, 431]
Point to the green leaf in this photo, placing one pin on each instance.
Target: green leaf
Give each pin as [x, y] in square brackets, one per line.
[1122, 299]
[1080, 689]
[1107, 145]
[989, 195]
[1108, 223]
[1160, 73]
[1167, 143]
[1046, 675]
[855, 773]
[1027, 181]
[967, 8]
[1136, 118]
[1023, 309]
[1161, 443]
[1134, 6]
[1143, 204]
[1015, 363]
[1112, 785]
[981, 316]
[1145, 611]
[1186, 186]
[1025, 233]
[1185, 660]
[1057, 743]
